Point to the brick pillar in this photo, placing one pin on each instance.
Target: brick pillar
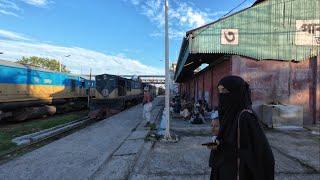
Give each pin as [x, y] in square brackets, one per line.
[318, 90]
[212, 88]
[313, 93]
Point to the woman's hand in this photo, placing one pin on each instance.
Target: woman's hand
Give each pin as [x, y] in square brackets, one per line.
[215, 127]
[214, 145]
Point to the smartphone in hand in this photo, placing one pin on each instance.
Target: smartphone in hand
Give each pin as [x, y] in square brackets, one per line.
[210, 144]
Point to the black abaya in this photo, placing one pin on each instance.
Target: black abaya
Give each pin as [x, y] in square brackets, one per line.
[256, 158]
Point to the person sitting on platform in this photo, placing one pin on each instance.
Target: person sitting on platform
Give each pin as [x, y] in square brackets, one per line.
[197, 116]
[185, 113]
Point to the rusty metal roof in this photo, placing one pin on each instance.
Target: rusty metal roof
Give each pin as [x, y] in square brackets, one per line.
[270, 30]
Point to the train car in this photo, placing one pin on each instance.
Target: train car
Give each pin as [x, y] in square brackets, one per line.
[116, 92]
[23, 86]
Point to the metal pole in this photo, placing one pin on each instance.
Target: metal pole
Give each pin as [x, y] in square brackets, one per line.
[59, 65]
[89, 90]
[167, 96]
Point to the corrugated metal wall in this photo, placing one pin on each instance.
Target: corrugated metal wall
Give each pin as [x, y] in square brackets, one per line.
[266, 31]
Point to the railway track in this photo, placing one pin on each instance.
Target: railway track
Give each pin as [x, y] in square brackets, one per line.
[34, 140]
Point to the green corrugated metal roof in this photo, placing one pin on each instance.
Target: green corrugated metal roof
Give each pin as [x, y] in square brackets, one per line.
[265, 31]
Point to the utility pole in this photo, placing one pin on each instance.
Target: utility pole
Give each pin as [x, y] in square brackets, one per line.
[89, 90]
[167, 96]
[60, 66]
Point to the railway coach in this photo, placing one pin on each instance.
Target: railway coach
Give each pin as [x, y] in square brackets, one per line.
[116, 92]
[25, 88]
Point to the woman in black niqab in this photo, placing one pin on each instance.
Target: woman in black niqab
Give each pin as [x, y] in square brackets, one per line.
[256, 161]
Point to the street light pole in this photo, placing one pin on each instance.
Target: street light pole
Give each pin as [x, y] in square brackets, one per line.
[167, 96]
[60, 66]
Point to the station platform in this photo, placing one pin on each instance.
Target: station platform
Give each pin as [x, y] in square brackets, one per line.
[85, 153]
[115, 148]
[296, 153]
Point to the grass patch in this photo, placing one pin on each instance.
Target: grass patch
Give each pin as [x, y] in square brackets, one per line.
[11, 131]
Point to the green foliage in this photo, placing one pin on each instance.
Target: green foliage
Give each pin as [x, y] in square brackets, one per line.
[46, 63]
[11, 131]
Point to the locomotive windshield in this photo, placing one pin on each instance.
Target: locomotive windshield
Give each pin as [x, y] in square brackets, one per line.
[105, 84]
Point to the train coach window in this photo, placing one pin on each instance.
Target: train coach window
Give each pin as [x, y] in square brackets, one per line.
[83, 84]
[73, 85]
[128, 86]
[137, 85]
[112, 82]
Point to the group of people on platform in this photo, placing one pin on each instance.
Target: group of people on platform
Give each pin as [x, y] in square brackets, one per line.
[197, 112]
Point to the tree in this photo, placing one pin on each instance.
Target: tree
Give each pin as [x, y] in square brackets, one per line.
[46, 63]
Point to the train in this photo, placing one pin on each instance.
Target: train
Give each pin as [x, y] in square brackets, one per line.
[117, 93]
[115, 90]
[28, 92]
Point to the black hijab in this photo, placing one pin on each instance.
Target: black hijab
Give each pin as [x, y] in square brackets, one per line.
[255, 154]
[231, 104]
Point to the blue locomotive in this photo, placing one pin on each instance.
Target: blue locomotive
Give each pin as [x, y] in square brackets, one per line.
[26, 88]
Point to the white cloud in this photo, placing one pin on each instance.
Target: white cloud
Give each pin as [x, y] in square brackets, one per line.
[8, 4]
[10, 7]
[80, 59]
[9, 35]
[8, 13]
[135, 2]
[182, 16]
[38, 3]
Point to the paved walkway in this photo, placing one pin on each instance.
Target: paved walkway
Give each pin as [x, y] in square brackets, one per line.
[296, 154]
[84, 154]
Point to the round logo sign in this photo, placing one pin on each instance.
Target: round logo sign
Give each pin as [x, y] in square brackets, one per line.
[105, 92]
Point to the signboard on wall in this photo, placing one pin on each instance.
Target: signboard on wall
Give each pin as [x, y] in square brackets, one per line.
[230, 36]
[307, 33]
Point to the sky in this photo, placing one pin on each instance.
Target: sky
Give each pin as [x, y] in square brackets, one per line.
[109, 36]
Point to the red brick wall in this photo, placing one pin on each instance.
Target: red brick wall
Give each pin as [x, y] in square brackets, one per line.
[196, 87]
[269, 80]
[301, 89]
[280, 81]
[187, 88]
[182, 88]
[192, 88]
[318, 90]
[207, 81]
[208, 86]
[200, 86]
[285, 82]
